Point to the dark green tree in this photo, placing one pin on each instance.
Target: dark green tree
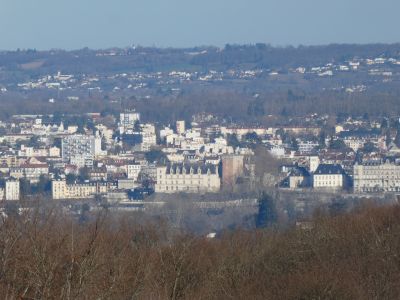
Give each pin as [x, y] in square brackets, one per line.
[267, 213]
[70, 178]
[233, 140]
[337, 145]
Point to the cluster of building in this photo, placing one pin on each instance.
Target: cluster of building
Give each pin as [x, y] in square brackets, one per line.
[362, 156]
[112, 160]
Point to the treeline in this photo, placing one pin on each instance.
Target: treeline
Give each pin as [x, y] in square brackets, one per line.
[225, 104]
[46, 255]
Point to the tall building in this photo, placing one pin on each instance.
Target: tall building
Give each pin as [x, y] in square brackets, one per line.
[149, 137]
[313, 162]
[80, 150]
[127, 120]
[186, 178]
[12, 190]
[377, 176]
[180, 127]
[232, 168]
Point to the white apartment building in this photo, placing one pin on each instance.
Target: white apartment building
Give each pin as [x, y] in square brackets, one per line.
[133, 171]
[149, 138]
[307, 147]
[182, 178]
[80, 149]
[165, 132]
[377, 176]
[127, 120]
[12, 190]
[328, 176]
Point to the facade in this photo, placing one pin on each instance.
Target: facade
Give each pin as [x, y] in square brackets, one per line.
[98, 174]
[133, 171]
[313, 163]
[80, 149]
[127, 120]
[12, 190]
[329, 176]
[182, 178]
[44, 152]
[354, 143]
[126, 184]
[376, 176]
[180, 127]
[149, 137]
[307, 147]
[30, 171]
[61, 190]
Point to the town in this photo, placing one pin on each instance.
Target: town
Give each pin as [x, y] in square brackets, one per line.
[126, 164]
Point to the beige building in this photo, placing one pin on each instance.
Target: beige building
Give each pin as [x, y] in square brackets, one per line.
[178, 178]
[376, 177]
[61, 190]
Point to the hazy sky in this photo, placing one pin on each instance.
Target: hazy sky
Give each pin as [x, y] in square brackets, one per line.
[72, 24]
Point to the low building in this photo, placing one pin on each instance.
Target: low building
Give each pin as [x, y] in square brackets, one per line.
[61, 190]
[329, 176]
[178, 178]
[307, 147]
[299, 177]
[98, 174]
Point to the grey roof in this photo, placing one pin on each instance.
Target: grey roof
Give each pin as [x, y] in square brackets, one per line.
[327, 169]
[181, 168]
[299, 171]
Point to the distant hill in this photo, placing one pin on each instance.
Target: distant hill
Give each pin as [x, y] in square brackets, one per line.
[203, 58]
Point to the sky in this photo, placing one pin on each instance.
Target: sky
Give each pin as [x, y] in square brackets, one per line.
[75, 24]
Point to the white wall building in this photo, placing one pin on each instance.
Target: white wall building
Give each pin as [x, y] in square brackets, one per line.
[328, 177]
[133, 171]
[80, 149]
[12, 190]
[127, 120]
[180, 178]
